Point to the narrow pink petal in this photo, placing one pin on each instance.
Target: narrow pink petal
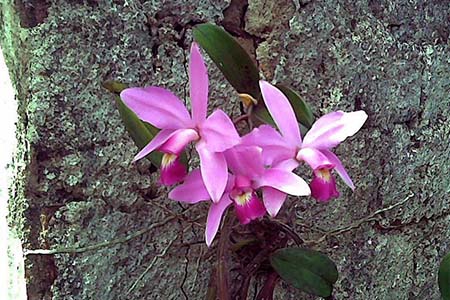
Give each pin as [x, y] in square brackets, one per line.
[282, 112]
[323, 190]
[250, 210]
[272, 155]
[214, 172]
[284, 181]
[273, 200]
[192, 190]
[157, 141]
[172, 172]
[334, 128]
[218, 132]
[241, 182]
[214, 216]
[198, 80]
[339, 168]
[178, 141]
[245, 160]
[288, 164]
[314, 157]
[157, 106]
[264, 135]
[275, 147]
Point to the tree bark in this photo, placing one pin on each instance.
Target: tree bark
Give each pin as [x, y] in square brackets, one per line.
[75, 185]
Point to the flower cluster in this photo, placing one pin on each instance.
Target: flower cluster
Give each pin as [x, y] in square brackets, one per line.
[236, 170]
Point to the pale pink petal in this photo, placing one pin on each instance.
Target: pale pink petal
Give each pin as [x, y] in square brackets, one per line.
[156, 142]
[178, 141]
[157, 106]
[283, 181]
[288, 164]
[214, 172]
[273, 200]
[214, 216]
[275, 147]
[322, 189]
[172, 172]
[314, 157]
[198, 80]
[192, 190]
[339, 168]
[333, 128]
[273, 155]
[281, 112]
[218, 132]
[241, 182]
[264, 135]
[245, 160]
[252, 209]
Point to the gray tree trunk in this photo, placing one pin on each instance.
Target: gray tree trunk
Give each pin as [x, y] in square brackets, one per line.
[75, 184]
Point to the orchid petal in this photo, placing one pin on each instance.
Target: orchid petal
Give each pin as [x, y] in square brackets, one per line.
[314, 157]
[245, 160]
[178, 141]
[339, 168]
[264, 135]
[157, 106]
[218, 132]
[282, 112]
[156, 142]
[288, 164]
[193, 189]
[275, 147]
[214, 216]
[284, 181]
[198, 80]
[273, 200]
[214, 172]
[333, 128]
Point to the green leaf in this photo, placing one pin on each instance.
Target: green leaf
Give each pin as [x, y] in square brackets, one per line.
[232, 60]
[444, 277]
[305, 269]
[302, 110]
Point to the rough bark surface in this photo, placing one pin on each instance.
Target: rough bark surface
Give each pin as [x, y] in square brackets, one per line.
[75, 184]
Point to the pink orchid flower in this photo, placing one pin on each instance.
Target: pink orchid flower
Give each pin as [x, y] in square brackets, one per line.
[315, 149]
[212, 135]
[249, 174]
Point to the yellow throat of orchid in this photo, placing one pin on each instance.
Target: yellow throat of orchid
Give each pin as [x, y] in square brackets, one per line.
[168, 159]
[324, 174]
[243, 198]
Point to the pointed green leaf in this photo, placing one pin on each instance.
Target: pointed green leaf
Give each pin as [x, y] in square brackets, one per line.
[305, 269]
[229, 56]
[444, 277]
[302, 110]
[262, 114]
